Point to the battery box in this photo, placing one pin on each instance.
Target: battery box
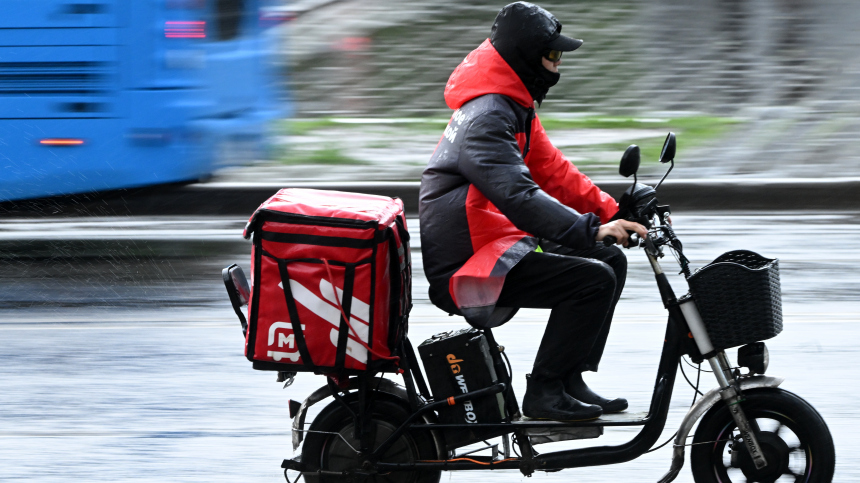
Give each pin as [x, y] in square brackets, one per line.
[458, 362]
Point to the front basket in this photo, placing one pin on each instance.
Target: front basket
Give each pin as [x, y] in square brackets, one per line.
[739, 298]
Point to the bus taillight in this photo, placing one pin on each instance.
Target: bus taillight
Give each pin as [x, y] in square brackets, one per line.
[185, 30]
[61, 142]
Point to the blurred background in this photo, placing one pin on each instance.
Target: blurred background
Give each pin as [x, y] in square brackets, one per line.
[105, 95]
[137, 136]
[755, 88]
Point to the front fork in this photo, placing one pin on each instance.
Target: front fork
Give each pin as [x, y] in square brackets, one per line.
[730, 393]
[729, 388]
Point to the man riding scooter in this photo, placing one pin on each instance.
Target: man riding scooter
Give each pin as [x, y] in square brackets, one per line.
[508, 222]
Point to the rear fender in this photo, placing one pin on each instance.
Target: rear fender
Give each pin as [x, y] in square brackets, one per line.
[384, 386]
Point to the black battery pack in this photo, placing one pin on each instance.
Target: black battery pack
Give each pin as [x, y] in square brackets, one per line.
[458, 362]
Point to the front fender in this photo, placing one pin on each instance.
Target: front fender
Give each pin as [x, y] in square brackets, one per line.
[708, 400]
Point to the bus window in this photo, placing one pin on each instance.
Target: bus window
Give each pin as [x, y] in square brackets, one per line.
[228, 18]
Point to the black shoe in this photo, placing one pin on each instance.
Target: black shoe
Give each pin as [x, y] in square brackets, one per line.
[576, 387]
[547, 400]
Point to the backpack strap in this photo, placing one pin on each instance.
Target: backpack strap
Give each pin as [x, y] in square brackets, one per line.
[415, 368]
[346, 306]
[294, 315]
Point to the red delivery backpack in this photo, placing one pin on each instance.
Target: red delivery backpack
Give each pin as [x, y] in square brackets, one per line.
[331, 277]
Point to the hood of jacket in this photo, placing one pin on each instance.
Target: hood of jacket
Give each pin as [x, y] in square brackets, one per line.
[482, 72]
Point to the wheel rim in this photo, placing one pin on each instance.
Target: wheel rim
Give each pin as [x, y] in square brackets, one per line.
[783, 443]
[339, 453]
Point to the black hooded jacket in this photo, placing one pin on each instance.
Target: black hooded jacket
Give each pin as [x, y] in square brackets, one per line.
[494, 185]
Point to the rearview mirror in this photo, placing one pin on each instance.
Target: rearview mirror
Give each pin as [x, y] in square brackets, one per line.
[238, 290]
[668, 152]
[629, 161]
[237, 284]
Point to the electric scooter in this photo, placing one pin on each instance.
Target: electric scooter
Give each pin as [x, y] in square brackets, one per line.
[748, 428]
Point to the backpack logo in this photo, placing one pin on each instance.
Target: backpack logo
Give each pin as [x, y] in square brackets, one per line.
[327, 309]
[283, 340]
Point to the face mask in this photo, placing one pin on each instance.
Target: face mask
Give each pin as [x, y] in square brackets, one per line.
[544, 80]
[527, 62]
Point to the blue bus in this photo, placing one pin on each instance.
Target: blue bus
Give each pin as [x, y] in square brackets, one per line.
[106, 94]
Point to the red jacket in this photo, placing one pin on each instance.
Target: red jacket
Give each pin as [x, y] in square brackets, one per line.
[494, 185]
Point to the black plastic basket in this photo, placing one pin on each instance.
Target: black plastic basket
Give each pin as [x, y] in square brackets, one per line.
[739, 298]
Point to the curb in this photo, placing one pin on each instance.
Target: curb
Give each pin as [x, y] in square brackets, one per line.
[220, 199]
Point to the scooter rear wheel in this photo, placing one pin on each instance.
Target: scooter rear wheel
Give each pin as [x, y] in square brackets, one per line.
[795, 440]
[331, 443]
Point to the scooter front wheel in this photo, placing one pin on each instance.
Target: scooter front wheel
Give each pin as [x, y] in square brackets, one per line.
[331, 447]
[794, 438]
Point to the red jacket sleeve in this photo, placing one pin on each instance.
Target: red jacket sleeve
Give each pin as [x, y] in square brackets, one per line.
[561, 180]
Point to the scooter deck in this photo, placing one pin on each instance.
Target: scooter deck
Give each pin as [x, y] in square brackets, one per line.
[617, 419]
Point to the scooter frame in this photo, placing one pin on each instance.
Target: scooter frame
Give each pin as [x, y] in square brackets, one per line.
[677, 343]
[683, 322]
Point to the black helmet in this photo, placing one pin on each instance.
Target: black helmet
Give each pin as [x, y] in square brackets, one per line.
[522, 34]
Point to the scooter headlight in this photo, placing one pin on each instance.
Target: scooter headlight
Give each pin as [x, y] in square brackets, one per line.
[755, 357]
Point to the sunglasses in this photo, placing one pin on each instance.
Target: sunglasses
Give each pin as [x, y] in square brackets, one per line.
[553, 55]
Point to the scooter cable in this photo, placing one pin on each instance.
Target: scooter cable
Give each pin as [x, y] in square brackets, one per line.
[696, 387]
[664, 444]
[696, 393]
[514, 443]
[287, 477]
[510, 369]
[485, 463]
[698, 379]
[694, 367]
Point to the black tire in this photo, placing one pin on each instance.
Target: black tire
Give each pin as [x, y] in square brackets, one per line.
[329, 452]
[794, 438]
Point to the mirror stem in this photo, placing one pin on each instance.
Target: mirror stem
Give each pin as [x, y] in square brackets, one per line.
[665, 175]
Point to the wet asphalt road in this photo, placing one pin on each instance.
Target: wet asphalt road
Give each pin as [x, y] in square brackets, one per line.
[121, 358]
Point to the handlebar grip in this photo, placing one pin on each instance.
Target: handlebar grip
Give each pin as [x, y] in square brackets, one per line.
[632, 241]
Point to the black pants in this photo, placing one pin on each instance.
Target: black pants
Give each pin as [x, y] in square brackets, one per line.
[581, 287]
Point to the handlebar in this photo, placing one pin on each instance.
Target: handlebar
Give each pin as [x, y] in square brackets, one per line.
[632, 241]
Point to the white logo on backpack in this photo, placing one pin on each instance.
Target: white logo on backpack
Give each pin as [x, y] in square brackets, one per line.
[327, 310]
[283, 340]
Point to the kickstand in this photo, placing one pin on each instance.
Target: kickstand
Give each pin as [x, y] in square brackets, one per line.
[527, 463]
